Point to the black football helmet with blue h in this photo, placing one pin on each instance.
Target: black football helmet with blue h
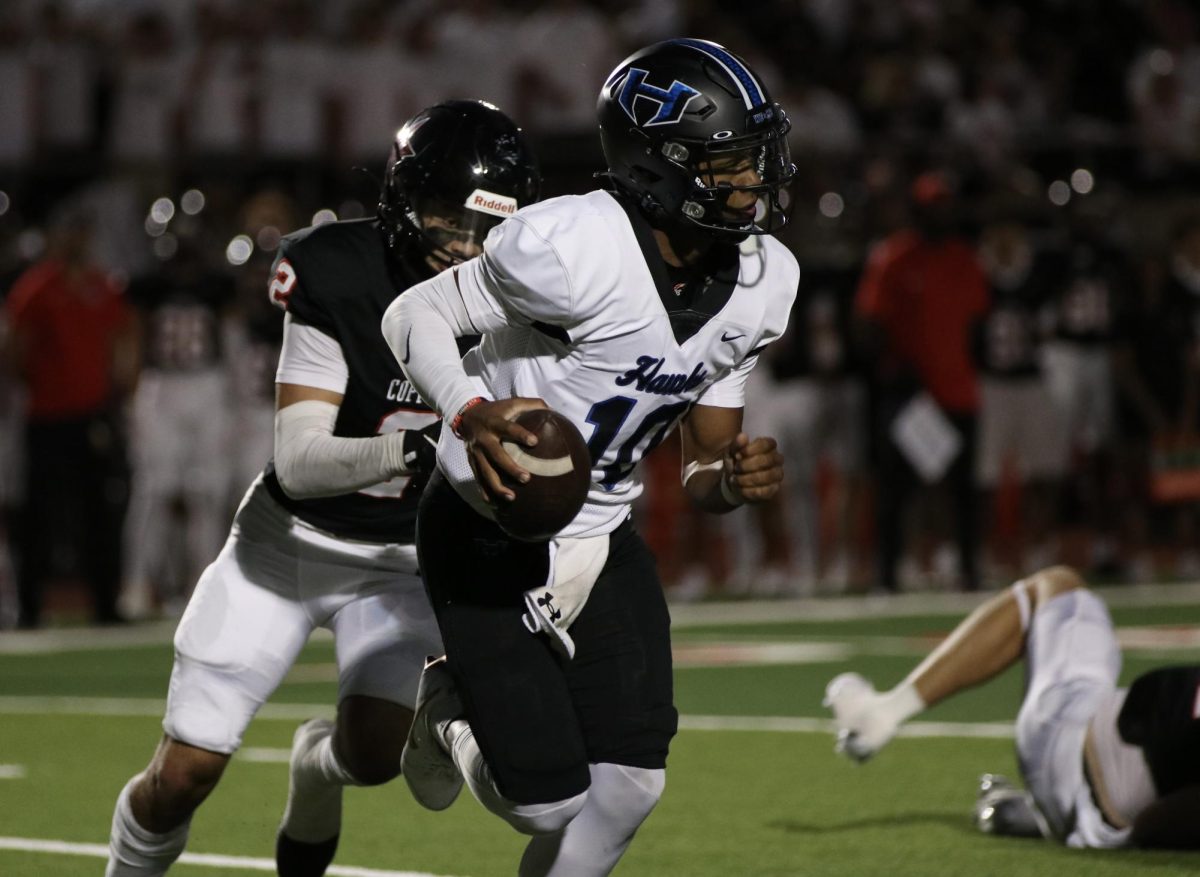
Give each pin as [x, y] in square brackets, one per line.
[671, 113]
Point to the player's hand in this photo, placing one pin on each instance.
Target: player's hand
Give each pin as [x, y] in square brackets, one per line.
[753, 469]
[483, 428]
[420, 448]
[862, 730]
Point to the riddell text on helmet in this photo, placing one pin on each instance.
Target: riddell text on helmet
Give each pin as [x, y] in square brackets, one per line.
[490, 202]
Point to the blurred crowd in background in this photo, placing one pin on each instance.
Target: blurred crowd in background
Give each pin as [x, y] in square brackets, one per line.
[996, 217]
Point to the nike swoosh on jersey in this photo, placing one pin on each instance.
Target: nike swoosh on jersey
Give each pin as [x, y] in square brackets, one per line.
[407, 346]
[725, 337]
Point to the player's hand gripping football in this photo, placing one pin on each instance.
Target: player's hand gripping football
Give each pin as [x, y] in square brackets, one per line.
[483, 428]
[753, 469]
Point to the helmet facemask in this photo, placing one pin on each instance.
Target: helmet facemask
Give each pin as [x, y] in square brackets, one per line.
[738, 184]
[448, 234]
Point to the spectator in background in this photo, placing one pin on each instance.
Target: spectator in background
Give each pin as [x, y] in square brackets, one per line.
[920, 297]
[474, 44]
[66, 83]
[180, 428]
[16, 98]
[147, 94]
[1157, 370]
[555, 90]
[295, 86]
[72, 342]
[221, 77]
[1085, 320]
[1022, 446]
[810, 396]
[374, 85]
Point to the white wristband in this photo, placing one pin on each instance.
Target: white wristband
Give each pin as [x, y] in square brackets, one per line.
[728, 494]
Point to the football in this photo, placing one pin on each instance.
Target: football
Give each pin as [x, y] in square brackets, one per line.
[560, 471]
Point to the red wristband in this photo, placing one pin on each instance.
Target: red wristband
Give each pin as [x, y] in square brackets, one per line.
[457, 421]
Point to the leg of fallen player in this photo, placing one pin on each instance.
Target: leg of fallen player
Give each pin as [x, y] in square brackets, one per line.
[983, 645]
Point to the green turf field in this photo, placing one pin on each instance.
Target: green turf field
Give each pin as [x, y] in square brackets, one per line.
[76, 722]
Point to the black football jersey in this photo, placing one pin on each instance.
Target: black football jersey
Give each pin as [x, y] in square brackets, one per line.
[1010, 335]
[181, 317]
[338, 278]
[1088, 307]
[1161, 714]
[818, 343]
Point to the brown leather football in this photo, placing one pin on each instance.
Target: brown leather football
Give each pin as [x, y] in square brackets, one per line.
[560, 470]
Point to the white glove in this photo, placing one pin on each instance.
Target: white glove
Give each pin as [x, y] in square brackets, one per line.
[865, 723]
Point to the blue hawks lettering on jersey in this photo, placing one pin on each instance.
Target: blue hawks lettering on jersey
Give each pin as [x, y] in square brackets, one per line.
[646, 378]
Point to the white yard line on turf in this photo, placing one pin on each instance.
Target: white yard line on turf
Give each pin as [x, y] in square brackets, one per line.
[55, 640]
[100, 851]
[12, 771]
[142, 706]
[100, 706]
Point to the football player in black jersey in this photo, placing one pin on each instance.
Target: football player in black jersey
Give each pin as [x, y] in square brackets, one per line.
[1104, 766]
[325, 537]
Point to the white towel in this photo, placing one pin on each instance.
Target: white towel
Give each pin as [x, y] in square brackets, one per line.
[551, 608]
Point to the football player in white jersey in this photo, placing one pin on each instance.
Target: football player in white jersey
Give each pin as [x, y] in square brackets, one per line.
[325, 536]
[1104, 766]
[630, 310]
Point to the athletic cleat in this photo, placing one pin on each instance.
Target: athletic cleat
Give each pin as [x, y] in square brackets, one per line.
[430, 772]
[1003, 809]
[312, 809]
[861, 730]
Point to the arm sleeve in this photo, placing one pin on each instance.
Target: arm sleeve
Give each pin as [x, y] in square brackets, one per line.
[519, 280]
[420, 327]
[311, 358]
[311, 462]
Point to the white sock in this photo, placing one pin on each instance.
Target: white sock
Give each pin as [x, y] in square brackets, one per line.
[314, 807]
[900, 704]
[619, 800]
[135, 852]
[460, 741]
[525, 818]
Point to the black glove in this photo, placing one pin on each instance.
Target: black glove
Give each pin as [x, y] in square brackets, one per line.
[420, 448]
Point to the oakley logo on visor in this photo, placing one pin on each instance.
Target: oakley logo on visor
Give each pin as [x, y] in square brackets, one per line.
[491, 203]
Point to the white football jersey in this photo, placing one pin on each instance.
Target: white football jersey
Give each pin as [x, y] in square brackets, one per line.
[571, 312]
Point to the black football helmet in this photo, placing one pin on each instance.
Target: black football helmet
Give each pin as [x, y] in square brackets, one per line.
[678, 113]
[455, 170]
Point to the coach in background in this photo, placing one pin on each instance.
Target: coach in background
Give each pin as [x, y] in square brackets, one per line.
[73, 345]
[920, 297]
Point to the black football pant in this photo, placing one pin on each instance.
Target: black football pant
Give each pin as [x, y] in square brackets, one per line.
[75, 498]
[540, 719]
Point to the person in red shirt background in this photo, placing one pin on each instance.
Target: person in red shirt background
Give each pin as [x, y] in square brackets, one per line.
[72, 343]
[917, 304]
